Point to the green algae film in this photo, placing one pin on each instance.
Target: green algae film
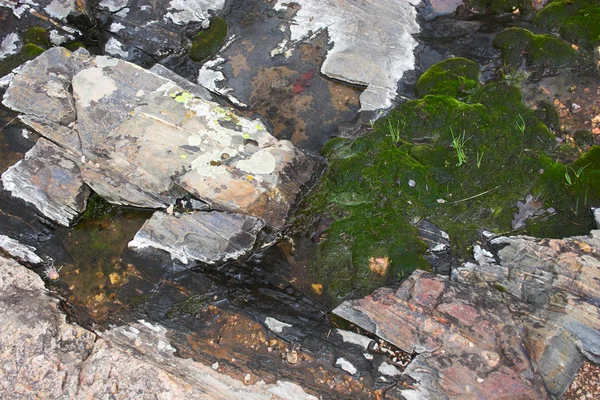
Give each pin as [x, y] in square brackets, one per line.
[207, 42]
[366, 207]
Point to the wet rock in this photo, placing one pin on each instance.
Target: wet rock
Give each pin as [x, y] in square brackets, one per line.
[349, 26]
[558, 277]
[49, 178]
[436, 8]
[462, 334]
[524, 318]
[44, 356]
[144, 141]
[20, 251]
[208, 237]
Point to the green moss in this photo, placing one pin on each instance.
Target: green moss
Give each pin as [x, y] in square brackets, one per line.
[576, 20]
[368, 208]
[583, 138]
[74, 46]
[31, 51]
[453, 77]
[500, 288]
[519, 45]
[38, 36]
[207, 42]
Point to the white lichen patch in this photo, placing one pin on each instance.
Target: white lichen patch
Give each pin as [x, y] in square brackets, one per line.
[275, 325]
[388, 369]
[113, 5]
[60, 8]
[115, 48]
[262, 162]
[9, 45]
[115, 27]
[194, 140]
[346, 365]
[182, 12]
[56, 89]
[92, 85]
[355, 338]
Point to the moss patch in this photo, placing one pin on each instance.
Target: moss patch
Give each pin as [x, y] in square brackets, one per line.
[366, 206]
[453, 77]
[207, 42]
[37, 36]
[537, 51]
[577, 21]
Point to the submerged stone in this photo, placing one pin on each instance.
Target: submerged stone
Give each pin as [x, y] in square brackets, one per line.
[349, 25]
[208, 237]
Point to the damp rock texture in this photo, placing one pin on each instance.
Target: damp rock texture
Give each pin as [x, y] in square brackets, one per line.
[515, 324]
[372, 43]
[208, 237]
[45, 356]
[139, 139]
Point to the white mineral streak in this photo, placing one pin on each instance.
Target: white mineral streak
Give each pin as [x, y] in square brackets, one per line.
[183, 12]
[275, 325]
[94, 86]
[372, 43]
[18, 250]
[9, 45]
[210, 75]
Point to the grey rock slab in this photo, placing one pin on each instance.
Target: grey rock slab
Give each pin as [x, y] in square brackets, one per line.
[208, 237]
[20, 251]
[372, 43]
[196, 90]
[142, 140]
[42, 87]
[49, 178]
[43, 356]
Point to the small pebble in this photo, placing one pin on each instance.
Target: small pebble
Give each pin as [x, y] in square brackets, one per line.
[412, 183]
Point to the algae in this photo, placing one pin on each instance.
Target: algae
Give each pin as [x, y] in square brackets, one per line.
[365, 209]
[501, 6]
[207, 42]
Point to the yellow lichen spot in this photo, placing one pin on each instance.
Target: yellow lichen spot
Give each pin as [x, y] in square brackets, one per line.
[183, 157]
[259, 127]
[250, 177]
[114, 278]
[317, 288]
[246, 136]
[184, 97]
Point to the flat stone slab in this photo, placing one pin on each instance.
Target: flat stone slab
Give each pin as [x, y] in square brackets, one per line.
[49, 178]
[208, 237]
[139, 139]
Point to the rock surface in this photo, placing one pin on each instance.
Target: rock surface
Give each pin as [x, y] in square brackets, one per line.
[143, 141]
[208, 237]
[518, 327]
[349, 26]
[46, 357]
[49, 178]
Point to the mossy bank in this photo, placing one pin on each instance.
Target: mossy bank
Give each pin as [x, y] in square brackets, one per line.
[462, 157]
